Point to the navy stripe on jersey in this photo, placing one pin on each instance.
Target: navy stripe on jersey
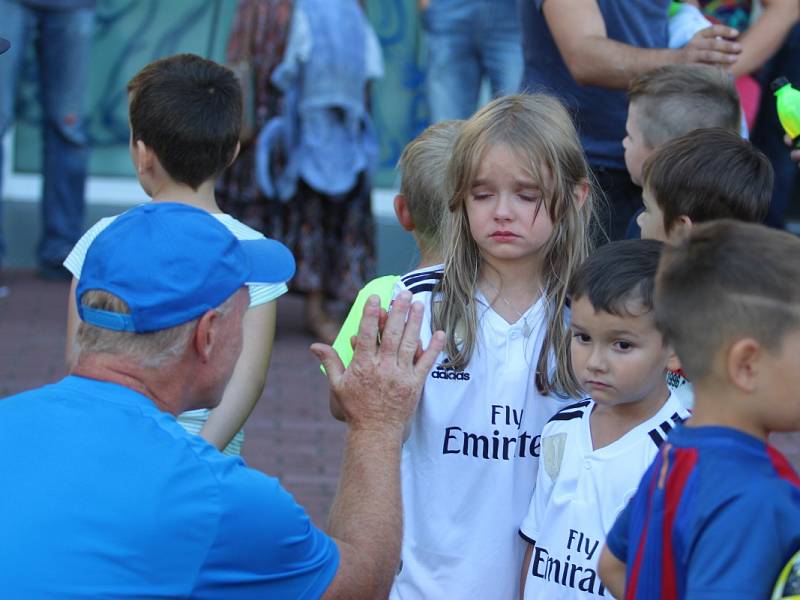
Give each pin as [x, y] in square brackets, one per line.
[658, 437]
[580, 404]
[411, 279]
[566, 416]
[573, 411]
[421, 287]
[525, 537]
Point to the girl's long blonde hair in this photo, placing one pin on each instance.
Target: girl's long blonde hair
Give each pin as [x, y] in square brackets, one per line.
[540, 133]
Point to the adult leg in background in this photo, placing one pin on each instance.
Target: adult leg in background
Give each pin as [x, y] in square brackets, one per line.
[14, 26]
[64, 49]
[453, 75]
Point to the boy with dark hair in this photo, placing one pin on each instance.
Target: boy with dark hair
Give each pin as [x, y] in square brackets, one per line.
[671, 101]
[704, 175]
[185, 117]
[718, 513]
[594, 452]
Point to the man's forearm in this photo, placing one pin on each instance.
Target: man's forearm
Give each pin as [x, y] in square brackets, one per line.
[367, 511]
[765, 37]
[611, 64]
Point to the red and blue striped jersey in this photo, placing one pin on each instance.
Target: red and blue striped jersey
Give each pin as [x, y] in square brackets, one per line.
[716, 516]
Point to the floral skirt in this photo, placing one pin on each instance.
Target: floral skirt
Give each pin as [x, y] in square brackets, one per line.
[332, 237]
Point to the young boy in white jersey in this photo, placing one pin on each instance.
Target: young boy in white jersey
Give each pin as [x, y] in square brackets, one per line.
[594, 452]
[185, 117]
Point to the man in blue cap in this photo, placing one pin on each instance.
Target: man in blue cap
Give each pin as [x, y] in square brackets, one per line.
[105, 495]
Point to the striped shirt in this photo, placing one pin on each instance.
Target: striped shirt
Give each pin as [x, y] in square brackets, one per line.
[192, 420]
[715, 517]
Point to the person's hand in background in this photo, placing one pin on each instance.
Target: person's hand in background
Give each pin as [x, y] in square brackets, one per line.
[795, 154]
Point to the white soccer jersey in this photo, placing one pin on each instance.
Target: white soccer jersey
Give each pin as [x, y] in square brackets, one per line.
[469, 464]
[579, 493]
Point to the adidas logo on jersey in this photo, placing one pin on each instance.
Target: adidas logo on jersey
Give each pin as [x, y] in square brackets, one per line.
[444, 371]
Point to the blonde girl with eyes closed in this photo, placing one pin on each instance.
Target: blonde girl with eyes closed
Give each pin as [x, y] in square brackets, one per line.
[518, 226]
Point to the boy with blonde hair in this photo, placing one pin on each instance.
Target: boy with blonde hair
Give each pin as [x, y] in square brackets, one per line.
[671, 101]
[718, 513]
[420, 208]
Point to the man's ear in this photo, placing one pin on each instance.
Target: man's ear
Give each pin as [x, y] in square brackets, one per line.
[402, 213]
[742, 363]
[206, 334]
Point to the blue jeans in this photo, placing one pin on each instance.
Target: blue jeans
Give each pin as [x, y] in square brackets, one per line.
[467, 41]
[767, 133]
[63, 41]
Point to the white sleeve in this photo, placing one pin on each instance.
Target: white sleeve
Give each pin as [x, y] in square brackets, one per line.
[531, 524]
[74, 261]
[261, 294]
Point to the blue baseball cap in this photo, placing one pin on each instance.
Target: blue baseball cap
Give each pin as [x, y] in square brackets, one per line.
[171, 263]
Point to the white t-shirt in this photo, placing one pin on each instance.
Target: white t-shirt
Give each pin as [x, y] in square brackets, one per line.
[579, 493]
[469, 463]
[192, 420]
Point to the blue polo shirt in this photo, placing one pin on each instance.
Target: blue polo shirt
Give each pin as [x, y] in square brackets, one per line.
[105, 496]
[716, 517]
[600, 113]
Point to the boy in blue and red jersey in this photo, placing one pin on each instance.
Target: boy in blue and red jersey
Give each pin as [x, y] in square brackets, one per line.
[718, 513]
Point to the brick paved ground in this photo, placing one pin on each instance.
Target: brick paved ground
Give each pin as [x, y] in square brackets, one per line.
[290, 435]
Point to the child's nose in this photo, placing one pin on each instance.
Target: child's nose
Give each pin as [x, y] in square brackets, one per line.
[596, 361]
[502, 209]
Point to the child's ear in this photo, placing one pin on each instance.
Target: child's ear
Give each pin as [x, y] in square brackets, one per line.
[235, 153]
[402, 213]
[145, 157]
[742, 363]
[680, 230]
[673, 362]
[581, 192]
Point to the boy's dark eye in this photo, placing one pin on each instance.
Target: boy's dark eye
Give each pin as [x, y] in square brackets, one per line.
[623, 345]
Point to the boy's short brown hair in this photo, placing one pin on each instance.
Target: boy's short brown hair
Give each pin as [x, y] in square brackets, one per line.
[709, 174]
[189, 111]
[423, 167]
[675, 99]
[727, 280]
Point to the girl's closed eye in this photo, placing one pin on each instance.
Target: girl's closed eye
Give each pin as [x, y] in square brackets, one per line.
[530, 194]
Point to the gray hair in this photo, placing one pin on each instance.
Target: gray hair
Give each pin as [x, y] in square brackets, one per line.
[151, 350]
